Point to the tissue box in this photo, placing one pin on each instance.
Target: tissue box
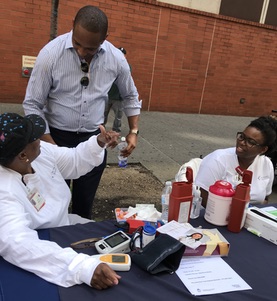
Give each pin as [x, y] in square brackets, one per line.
[145, 212]
[262, 223]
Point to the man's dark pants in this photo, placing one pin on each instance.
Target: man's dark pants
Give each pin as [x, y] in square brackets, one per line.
[84, 188]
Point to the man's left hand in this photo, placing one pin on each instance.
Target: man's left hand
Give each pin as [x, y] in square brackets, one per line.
[132, 143]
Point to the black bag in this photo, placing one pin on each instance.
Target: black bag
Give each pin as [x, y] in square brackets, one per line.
[163, 254]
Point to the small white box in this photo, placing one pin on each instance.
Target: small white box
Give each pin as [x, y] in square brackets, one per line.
[261, 223]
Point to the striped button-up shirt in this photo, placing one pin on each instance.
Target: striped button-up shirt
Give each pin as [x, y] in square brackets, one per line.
[55, 93]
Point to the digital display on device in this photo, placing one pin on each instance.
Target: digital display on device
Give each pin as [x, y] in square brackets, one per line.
[115, 240]
[118, 258]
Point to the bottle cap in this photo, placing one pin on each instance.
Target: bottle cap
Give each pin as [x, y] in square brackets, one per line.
[196, 191]
[148, 229]
[222, 188]
[123, 139]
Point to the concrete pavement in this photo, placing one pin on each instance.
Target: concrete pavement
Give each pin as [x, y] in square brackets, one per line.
[167, 140]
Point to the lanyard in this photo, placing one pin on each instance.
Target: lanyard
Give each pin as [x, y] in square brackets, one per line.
[239, 171]
[34, 197]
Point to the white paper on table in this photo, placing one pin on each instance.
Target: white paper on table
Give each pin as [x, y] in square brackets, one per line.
[175, 229]
[209, 275]
[181, 232]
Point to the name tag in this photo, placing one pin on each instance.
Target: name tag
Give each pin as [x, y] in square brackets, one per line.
[36, 199]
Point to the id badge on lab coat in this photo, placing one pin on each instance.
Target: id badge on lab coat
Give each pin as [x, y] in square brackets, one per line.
[36, 199]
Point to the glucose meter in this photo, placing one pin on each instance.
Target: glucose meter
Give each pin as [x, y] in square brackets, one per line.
[118, 262]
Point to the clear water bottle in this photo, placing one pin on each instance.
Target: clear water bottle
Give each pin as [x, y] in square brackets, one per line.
[196, 202]
[122, 161]
[165, 200]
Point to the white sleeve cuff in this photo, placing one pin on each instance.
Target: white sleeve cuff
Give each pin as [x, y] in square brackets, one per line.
[88, 269]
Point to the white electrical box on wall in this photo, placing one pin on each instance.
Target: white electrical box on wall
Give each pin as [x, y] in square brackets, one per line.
[28, 63]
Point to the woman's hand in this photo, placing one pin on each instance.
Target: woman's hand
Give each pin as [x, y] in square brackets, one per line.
[104, 277]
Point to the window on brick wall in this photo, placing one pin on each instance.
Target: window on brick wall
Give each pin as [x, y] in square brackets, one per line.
[271, 16]
[260, 11]
[242, 9]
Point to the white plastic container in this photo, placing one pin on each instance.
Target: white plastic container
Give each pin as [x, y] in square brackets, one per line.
[148, 234]
[219, 203]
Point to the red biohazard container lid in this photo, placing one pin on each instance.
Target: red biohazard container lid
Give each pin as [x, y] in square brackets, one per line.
[222, 188]
[181, 189]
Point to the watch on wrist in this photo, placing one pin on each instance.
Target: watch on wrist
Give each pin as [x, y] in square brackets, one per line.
[134, 132]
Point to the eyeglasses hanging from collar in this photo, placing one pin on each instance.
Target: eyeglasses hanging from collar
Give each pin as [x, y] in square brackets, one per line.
[85, 79]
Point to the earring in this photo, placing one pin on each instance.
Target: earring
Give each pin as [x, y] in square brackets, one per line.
[27, 160]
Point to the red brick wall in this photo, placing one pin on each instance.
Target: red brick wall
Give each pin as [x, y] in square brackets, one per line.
[182, 60]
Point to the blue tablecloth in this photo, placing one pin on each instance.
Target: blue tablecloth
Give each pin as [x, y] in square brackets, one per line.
[17, 284]
[252, 257]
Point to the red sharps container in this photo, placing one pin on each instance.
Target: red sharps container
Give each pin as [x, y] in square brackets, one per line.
[240, 203]
[181, 199]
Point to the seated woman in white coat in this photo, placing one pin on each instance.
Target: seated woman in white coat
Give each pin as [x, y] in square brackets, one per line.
[34, 195]
[253, 144]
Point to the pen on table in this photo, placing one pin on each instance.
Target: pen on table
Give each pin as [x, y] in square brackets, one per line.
[253, 231]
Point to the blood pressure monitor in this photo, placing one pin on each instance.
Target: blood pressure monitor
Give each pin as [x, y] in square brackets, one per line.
[118, 242]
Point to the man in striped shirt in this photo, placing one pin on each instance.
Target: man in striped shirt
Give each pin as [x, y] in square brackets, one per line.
[69, 86]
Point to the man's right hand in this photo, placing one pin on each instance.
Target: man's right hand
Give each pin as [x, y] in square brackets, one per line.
[104, 277]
